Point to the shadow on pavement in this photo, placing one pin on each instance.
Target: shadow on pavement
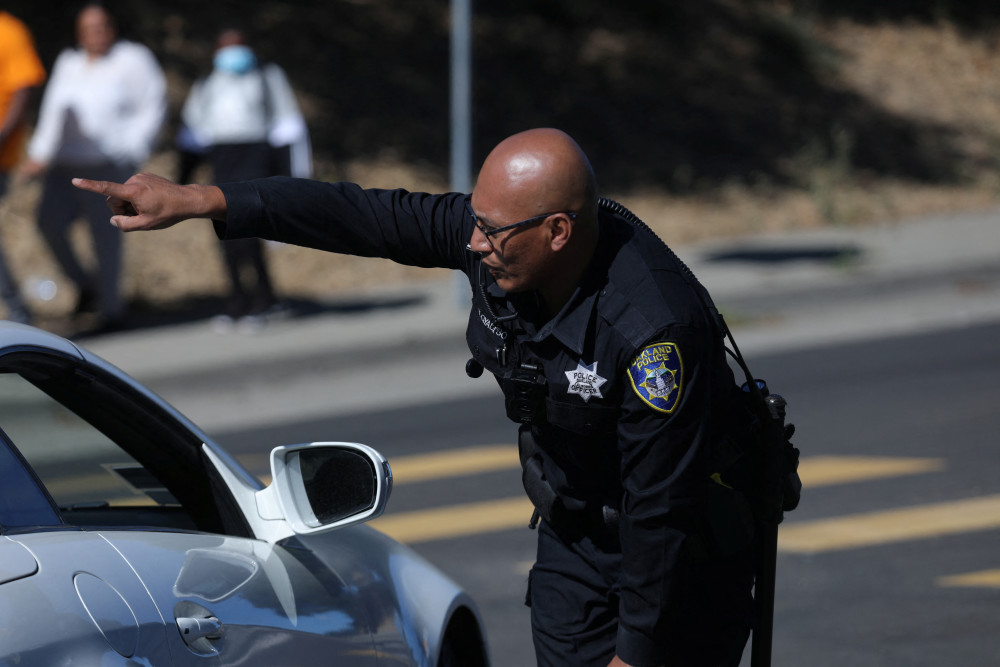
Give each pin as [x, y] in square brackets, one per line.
[833, 254]
[204, 309]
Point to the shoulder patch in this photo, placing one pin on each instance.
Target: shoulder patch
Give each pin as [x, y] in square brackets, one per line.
[657, 376]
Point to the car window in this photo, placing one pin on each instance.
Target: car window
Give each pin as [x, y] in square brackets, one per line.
[81, 468]
[108, 452]
[78, 465]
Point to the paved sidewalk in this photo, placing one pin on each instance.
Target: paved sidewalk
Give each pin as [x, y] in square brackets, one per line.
[778, 292]
[834, 285]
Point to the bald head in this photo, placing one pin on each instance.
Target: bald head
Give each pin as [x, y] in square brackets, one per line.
[542, 179]
[535, 172]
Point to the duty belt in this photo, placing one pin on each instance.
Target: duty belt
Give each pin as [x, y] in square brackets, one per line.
[600, 523]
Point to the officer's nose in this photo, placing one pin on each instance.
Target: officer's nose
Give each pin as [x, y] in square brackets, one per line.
[479, 243]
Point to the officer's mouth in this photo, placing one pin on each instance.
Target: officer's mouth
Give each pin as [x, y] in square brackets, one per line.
[496, 272]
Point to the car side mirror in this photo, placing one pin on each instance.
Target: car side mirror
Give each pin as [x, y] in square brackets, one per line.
[314, 488]
[328, 485]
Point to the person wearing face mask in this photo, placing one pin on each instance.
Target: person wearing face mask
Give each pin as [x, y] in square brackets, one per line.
[243, 118]
[101, 114]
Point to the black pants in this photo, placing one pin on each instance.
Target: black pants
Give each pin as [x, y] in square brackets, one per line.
[573, 595]
[60, 205]
[246, 264]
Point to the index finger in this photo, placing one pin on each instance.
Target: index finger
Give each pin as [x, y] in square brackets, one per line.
[101, 187]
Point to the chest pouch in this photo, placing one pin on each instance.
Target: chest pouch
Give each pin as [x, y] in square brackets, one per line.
[524, 393]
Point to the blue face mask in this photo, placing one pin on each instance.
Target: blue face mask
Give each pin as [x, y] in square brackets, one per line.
[237, 59]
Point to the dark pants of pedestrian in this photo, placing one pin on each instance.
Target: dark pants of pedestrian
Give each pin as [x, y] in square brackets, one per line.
[573, 595]
[251, 290]
[9, 292]
[60, 205]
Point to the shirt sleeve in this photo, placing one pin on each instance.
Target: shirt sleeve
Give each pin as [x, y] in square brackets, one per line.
[283, 102]
[192, 134]
[416, 229]
[664, 442]
[149, 107]
[287, 125]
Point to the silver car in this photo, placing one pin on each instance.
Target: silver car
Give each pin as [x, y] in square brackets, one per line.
[128, 538]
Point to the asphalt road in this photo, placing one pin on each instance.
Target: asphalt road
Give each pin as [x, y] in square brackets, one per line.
[890, 560]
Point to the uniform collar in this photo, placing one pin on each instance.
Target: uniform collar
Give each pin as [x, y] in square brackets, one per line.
[569, 327]
[571, 324]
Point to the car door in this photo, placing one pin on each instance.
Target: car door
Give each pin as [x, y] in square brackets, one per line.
[65, 595]
[248, 602]
[75, 601]
[127, 481]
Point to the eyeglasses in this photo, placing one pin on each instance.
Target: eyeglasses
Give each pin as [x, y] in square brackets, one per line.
[493, 231]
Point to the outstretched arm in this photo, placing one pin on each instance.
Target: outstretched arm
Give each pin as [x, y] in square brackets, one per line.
[147, 201]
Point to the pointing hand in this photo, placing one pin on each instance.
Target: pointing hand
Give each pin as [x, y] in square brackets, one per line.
[147, 201]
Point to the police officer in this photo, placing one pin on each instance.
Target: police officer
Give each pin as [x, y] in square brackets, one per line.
[610, 357]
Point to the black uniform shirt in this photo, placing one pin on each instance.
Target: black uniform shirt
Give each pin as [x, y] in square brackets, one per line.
[637, 383]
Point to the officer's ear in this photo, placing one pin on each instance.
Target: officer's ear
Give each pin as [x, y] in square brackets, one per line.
[560, 230]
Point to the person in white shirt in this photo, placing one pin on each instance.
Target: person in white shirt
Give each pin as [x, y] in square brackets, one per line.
[244, 119]
[101, 113]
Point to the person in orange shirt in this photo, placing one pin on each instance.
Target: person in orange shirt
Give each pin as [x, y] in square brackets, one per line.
[20, 72]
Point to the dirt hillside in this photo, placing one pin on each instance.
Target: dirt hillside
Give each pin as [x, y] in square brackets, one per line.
[732, 118]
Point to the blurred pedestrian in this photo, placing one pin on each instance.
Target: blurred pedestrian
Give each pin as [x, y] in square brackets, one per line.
[244, 119]
[20, 72]
[101, 113]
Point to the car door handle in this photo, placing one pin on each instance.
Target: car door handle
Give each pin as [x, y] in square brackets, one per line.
[192, 629]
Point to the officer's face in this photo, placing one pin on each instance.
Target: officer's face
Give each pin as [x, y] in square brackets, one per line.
[516, 257]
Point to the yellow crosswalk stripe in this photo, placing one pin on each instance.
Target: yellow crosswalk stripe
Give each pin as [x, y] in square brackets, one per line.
[815, 471]
[456, 520]
[453, 463]
[810, 537]
[483, 517]
[984, 579]
[425, 467]
[828, 470]
[875, 528]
